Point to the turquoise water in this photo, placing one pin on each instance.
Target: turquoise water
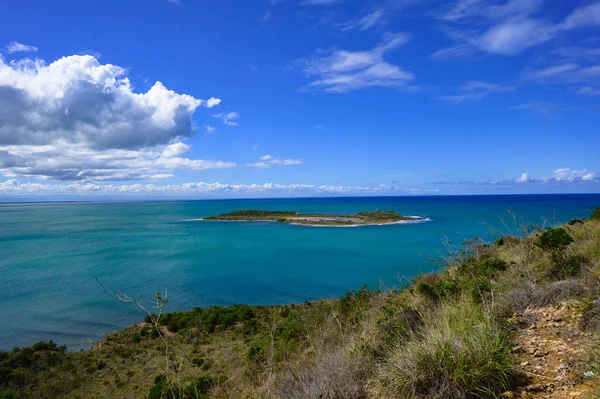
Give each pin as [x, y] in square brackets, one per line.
[51, 255]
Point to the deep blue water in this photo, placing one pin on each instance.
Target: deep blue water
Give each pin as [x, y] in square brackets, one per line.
[51, 254]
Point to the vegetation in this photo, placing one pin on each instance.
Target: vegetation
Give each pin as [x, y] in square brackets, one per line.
[596, 214]
[443, 335]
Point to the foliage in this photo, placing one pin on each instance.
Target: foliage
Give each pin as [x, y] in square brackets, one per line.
[554, 239]
[595, 214]
[381, 215]
[208, 319]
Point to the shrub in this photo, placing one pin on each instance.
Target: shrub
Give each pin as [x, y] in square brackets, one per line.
[575, 221]
[488, 266]
[596, 214]
[460, 353]
[554, 240]
[100, 365]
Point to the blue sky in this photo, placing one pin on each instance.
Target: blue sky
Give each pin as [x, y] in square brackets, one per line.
[216, 99]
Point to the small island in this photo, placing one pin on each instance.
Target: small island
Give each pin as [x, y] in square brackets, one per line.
[376, 217]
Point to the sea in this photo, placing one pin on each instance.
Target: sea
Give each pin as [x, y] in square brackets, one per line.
[61, 264]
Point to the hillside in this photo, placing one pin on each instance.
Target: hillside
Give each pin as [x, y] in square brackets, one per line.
[515, 318]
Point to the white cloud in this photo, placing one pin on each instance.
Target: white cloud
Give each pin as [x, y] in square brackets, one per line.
[211, 102]
[541, 107]
[15, 47]
[510, 27]
[553, 71]
[209, 129]
[565, 73]
[266, 161]
[14, 187]
[512, 37]
[343, 71]
[368, 21]
[588, 91]
[476, 90]
[459, 52]
[465, 9]
[559, 176]
[174, 150]
[77, 119]
[228, 118]
[583, 17]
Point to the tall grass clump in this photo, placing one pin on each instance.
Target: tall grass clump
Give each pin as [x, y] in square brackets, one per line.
[460, 352]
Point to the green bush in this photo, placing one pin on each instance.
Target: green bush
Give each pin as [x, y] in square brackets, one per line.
[489, 266]
[100, 365]
[596, 214]
[554, 239]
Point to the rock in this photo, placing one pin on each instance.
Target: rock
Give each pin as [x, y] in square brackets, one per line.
[535, 388]
[526, 395]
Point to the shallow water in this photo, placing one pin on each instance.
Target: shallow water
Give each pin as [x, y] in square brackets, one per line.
[52, 254]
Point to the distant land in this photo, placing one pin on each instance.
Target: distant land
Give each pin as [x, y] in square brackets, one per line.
[376, 217]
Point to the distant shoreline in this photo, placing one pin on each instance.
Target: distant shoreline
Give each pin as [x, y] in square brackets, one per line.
[372, 218]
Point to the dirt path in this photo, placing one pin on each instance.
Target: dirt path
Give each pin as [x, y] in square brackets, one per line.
[551, 349]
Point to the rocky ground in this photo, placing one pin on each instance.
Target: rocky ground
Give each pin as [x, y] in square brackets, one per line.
[552, 351]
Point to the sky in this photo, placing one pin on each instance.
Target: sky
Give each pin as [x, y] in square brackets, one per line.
[293, 98]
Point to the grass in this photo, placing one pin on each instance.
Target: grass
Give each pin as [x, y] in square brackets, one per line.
[444, 335]
[459, 352]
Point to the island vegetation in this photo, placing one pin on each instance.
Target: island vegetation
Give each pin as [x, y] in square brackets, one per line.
[320, 219]
[516, 317]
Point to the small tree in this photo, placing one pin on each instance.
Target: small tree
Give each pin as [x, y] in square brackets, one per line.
[596, 214]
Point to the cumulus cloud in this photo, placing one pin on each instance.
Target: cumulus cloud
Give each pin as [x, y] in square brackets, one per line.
[342, 71]
[559, 176]
[14, 187]
[174, 150]
[565, 177]
[266, 161]
[476, 90]
[77, 119]
[228, 118]
[16, 47]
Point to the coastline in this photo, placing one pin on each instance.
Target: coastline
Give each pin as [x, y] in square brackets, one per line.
[418, 219]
